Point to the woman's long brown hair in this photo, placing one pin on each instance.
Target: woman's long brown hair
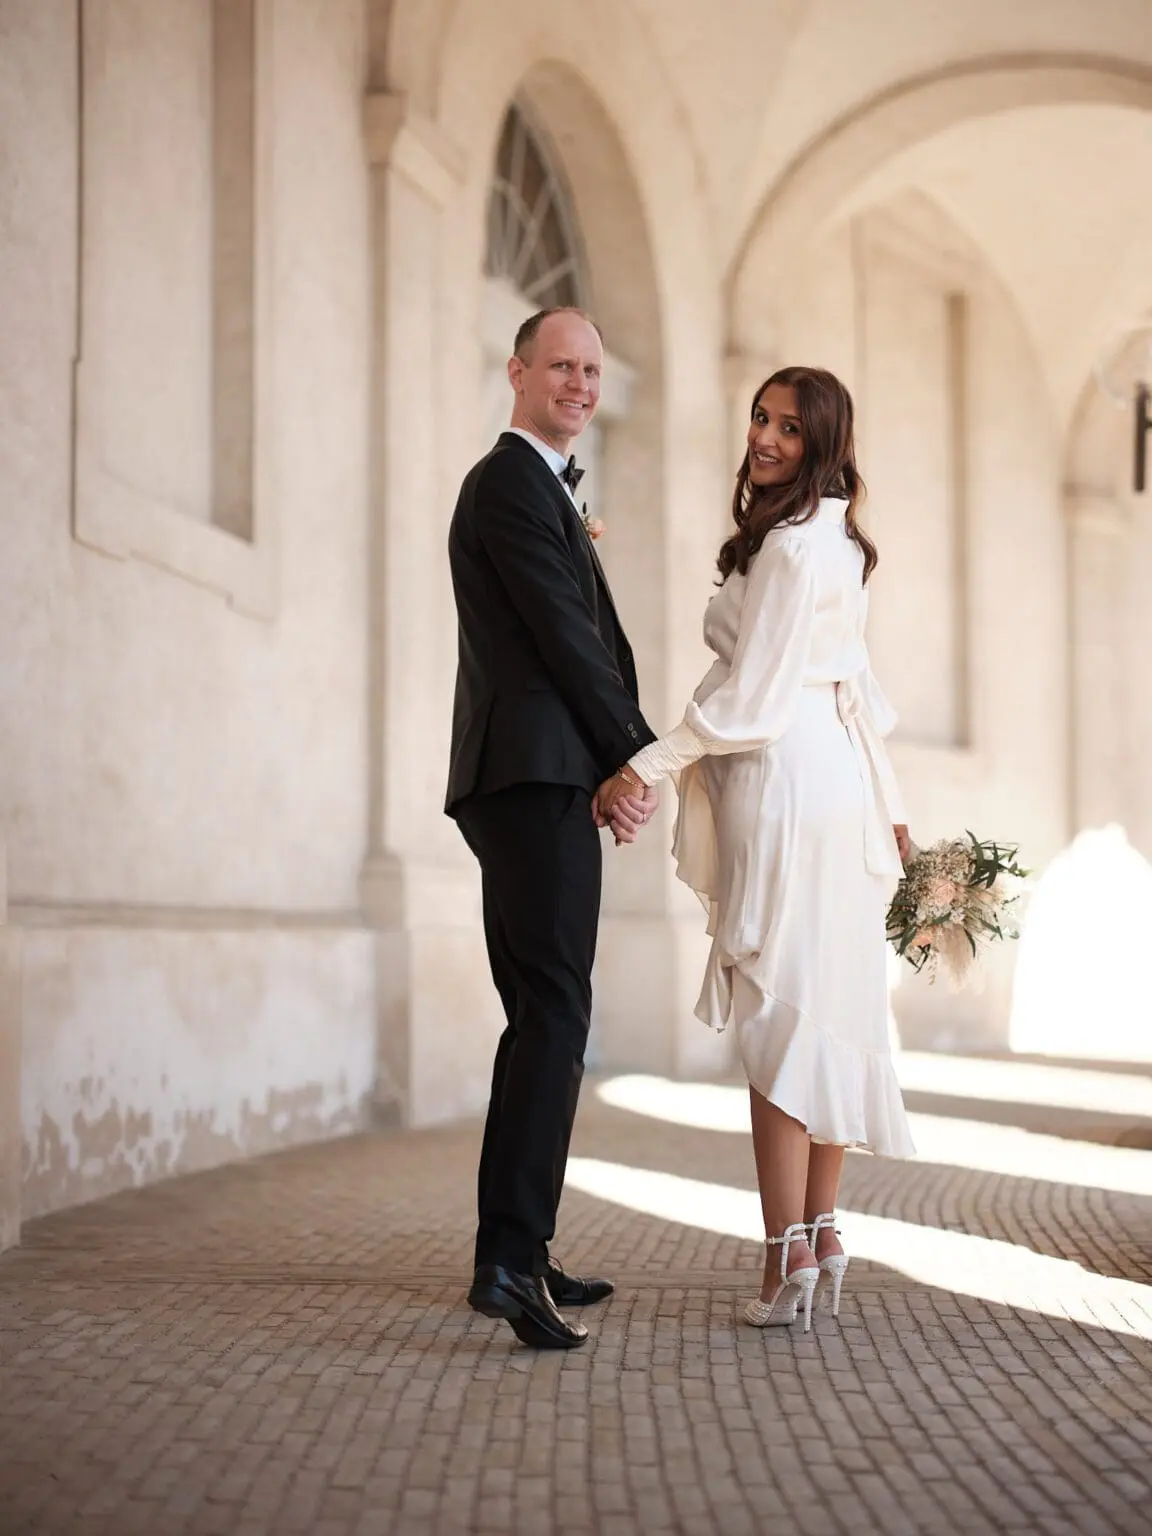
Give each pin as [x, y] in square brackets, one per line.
[828, 468]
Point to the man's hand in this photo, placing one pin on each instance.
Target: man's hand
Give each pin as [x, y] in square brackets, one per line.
[612, 790]
[631, 812]
[624, 807]
[903, 842]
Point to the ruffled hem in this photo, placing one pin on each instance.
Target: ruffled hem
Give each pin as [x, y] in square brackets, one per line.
[843, 1095]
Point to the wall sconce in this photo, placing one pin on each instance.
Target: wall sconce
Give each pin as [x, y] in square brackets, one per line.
[1126, 377]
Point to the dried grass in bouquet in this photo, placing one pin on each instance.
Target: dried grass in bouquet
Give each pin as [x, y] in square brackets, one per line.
[955, 899]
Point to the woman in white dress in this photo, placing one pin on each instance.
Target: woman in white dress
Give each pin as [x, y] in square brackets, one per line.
[790, 827]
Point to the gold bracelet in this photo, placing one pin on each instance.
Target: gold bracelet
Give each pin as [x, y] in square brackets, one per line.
[629, 777]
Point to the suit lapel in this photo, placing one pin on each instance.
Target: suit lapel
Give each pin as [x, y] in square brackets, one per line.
[599, 569]
[561, 496]
[589, 545]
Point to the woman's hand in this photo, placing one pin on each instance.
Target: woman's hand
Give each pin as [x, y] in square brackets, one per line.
[903, 842]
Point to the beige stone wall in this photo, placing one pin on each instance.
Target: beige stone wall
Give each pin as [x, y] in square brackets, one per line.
[169, 729]
[152, 1051]
[183, 773]
[11, 1042]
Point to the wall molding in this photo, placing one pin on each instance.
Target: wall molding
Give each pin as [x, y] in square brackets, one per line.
[398, 136]
[1095, 512]
[11, 1075]
[110, 514]
[31, 912]
[401, 892]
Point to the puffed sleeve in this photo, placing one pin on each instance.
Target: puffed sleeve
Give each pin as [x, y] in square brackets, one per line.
[756, 703]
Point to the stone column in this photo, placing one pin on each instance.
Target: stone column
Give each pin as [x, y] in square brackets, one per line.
[11, 1144]
[437, 1011]
[1097, 536]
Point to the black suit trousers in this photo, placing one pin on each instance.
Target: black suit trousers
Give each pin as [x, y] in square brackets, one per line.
[539, 854]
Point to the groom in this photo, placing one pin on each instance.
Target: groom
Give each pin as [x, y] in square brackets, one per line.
[545, 711]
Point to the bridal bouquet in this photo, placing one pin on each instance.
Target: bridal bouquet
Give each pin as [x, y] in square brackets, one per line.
[956, 897]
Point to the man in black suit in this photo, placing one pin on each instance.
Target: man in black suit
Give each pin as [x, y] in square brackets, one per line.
[545, 711]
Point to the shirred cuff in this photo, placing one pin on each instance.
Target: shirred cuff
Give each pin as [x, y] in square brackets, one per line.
[668, 755]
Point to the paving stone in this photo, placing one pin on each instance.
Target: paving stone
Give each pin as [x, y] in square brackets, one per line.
[284, 1347]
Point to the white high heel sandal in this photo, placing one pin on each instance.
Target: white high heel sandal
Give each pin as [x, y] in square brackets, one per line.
[782, 1308]
[836, 1264]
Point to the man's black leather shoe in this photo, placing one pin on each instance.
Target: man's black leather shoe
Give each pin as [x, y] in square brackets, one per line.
[571, 1291]
[524, 1302]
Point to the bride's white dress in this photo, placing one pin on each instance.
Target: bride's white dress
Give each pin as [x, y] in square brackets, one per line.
[787, 802]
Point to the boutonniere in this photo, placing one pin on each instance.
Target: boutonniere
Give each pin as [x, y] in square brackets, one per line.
[593, 527]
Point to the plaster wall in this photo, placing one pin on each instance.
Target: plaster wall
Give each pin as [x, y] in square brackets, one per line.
[11, 1046]
[183, 782]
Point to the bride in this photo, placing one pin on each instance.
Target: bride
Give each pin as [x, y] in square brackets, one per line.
[790, 827]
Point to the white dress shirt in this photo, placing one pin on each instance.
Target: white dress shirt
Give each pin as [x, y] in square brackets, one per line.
[555, 461]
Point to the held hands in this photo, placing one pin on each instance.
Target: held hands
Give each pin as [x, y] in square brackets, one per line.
[633, 811]
[624, 804]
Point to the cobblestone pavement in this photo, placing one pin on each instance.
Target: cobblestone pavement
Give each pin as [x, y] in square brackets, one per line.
[283, 1346]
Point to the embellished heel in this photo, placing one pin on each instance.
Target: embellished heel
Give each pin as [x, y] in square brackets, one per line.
[807, 1280]
[835, 1266]
[784, 1305]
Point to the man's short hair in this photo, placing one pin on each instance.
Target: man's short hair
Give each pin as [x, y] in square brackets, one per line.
[526, 335]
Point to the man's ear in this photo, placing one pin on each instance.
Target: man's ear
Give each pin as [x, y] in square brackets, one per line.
[515, 369]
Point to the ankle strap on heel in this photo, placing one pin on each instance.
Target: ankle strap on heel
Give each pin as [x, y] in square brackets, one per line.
[824, 1223]
[796, 1233]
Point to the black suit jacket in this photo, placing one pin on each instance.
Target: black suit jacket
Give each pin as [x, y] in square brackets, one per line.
[545, 685]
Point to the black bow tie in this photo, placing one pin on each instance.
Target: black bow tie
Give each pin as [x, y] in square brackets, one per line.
[570, 475]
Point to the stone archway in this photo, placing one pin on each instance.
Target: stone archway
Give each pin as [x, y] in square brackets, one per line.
[1054, 530]
[534, 259]
[818, 180]
[432, 136]
[405, 49]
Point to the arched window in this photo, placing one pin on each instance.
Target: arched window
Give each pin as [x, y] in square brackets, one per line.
[535, 260]
[533, 244]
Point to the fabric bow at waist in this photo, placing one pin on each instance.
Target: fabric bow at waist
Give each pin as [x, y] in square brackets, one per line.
[881, 798]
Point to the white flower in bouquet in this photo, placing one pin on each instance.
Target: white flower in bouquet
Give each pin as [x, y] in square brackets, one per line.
[955, 899]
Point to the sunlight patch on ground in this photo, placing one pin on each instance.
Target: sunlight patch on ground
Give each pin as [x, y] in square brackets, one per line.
[705, 1106]
[960, 1077]
[1023, 1082]
[1007, 1149]
[975, 1144]
[980, 1267]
